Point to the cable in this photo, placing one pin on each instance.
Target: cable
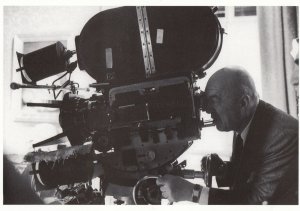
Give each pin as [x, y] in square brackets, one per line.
[63, 86]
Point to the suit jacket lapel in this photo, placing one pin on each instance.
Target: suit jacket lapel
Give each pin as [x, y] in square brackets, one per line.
[251, 145]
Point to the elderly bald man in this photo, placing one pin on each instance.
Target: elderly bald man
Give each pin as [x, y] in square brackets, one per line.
[264, 162]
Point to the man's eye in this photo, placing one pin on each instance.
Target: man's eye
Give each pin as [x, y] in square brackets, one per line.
[214, 100]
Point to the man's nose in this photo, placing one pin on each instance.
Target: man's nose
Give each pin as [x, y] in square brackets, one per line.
[208, 111]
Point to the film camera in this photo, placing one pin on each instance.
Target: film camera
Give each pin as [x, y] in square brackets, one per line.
[146, 107]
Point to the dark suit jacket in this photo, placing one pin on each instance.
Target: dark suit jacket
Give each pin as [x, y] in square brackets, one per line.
[269, 164]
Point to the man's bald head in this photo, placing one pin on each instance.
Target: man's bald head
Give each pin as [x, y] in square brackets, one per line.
[232, 97]
[233, 80]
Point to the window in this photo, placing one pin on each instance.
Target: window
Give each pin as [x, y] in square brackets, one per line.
[238, 11]
[221, 11]
[244, 11]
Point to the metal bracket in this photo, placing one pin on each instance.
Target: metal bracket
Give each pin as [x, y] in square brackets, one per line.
[146, 41]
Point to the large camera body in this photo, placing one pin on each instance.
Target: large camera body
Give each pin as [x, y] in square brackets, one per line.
[146, 112]
[149, 111]
[138, 128]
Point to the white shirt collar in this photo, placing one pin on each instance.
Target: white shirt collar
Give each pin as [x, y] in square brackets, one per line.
[246, 130]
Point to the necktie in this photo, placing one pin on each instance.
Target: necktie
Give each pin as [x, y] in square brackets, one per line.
[237, 155]
[238, 149]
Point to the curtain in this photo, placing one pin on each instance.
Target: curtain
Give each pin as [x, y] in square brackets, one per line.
[278, 26]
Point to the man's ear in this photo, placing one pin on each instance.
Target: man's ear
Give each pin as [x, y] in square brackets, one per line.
[245, 101]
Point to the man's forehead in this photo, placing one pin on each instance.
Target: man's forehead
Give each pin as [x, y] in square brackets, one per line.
[212, 93]
[213, 89]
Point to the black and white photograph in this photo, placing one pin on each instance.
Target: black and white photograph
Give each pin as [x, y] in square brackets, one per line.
[150, 104]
